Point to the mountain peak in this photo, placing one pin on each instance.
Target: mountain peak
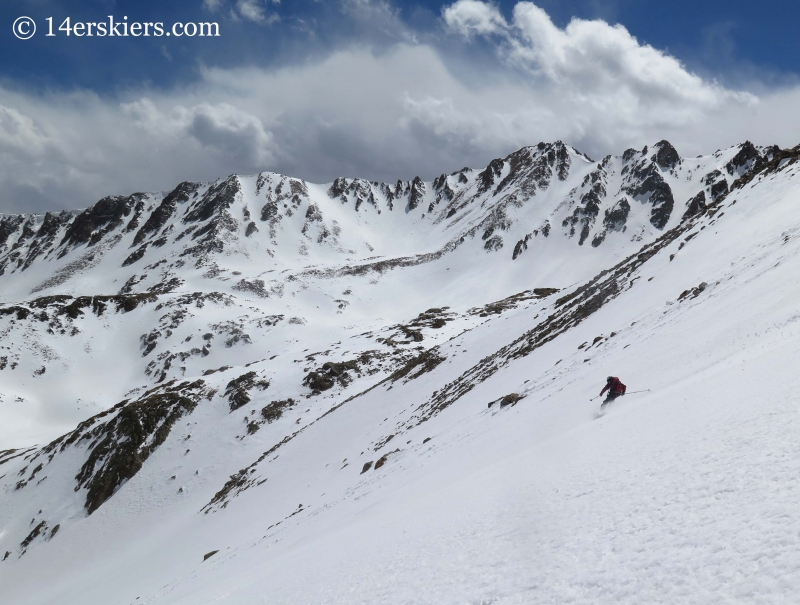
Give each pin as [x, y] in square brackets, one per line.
[666, 155]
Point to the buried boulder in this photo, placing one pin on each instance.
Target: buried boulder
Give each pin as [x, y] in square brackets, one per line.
[332, 373]
[506, 400]
[382, 460]
[237, 389]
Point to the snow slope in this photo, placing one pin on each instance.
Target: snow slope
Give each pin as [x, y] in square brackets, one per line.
[317, 260]
[383, 477]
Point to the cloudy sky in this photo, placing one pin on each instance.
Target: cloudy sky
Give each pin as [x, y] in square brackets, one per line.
[381, 89]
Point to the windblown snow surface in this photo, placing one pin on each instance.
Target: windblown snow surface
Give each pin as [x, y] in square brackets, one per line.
[290, 417]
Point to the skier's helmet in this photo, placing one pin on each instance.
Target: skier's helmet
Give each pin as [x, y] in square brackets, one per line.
[609, 379]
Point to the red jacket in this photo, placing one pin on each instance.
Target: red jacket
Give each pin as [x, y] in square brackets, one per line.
[615, 386]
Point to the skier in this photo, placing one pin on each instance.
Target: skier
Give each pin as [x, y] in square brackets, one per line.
[615, 389]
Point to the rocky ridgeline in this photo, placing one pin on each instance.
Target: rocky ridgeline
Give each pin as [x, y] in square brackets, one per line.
[199, 221]
[645, 179]
[119, 441]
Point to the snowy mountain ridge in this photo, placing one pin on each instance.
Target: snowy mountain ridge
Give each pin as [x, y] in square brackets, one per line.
[215, 355]
[301, 252]
[297, 224]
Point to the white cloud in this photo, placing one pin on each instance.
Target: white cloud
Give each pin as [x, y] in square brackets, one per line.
[220, 128]
[469, 17]
[596, 83]
[601, 58]
[19, 134]
[379, 21]
[602, 66]
[252, 10]
[405, 110]
[239, 134]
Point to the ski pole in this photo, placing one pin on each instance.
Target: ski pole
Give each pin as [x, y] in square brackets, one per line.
[642, 391]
